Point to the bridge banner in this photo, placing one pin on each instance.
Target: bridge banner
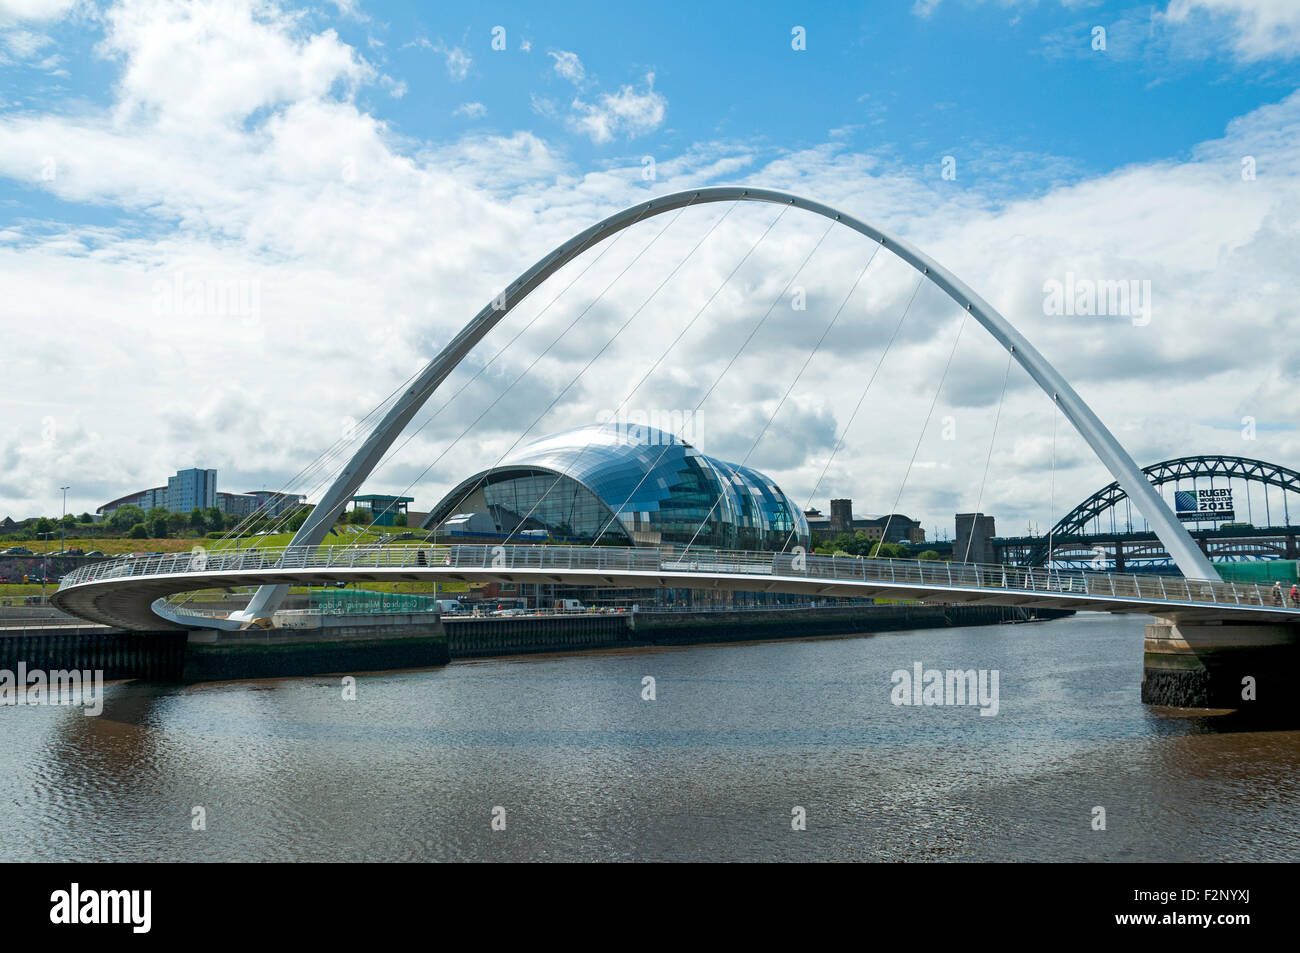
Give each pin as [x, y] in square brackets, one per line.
[1210, 505]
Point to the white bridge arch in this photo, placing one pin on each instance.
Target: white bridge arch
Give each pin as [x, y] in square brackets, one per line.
[1178, 542]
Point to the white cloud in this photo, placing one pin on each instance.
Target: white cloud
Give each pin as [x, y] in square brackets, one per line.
[569, 66]
[543, 106]
[627, 113]
[457, 60]
[470, 110]
[240, 56]
[24, 44]
[1258, 29]
[33, 11]
[256, 165]
[1249, 30]
[351, 9]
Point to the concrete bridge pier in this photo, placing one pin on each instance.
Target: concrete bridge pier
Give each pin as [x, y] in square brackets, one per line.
[1251, 668]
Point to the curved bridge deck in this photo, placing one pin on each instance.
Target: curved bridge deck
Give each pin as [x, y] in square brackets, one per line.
[123, 592]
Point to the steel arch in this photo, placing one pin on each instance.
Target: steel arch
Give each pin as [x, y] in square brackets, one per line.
[1176, 538]
[1167, 471]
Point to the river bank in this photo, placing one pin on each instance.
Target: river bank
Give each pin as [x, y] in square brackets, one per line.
[339, 644]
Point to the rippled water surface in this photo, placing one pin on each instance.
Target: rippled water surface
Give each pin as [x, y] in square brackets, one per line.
[738, 736]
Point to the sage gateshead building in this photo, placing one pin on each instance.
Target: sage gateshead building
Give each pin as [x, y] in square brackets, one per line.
[628, 485]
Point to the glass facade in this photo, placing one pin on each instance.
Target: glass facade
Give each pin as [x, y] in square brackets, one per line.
[636, 485]
[191, 488]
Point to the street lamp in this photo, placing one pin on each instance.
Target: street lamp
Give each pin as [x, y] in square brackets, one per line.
[63, 536]
[45, 562]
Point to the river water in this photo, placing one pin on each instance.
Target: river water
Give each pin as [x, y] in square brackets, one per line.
[565, 750]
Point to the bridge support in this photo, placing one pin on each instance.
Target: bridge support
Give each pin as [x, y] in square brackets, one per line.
[1250, 668]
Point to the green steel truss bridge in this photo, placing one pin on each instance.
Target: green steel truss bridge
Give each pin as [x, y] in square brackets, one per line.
[1100, 531]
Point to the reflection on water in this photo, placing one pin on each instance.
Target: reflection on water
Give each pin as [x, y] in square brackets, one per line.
[586, 769]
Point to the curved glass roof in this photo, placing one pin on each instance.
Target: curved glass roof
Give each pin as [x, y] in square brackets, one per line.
[661, 488]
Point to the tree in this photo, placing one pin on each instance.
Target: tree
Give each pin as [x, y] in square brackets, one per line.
[196, 520]
[124, 518]
[139, 531]
[69, 521]
[43, 525]
[357, 517]
[158, 527]
[214, 518]
[177, 523]
[399, 519]
[930, 556]
[85, 518]
[294, 522]
[157, 513]
[852, 544]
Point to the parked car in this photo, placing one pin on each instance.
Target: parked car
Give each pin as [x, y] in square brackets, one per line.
[18, 551]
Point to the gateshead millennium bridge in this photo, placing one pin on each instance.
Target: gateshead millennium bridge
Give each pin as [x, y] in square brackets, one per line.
[131, 591]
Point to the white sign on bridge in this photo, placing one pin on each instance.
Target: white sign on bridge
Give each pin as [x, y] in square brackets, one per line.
[1204, 505]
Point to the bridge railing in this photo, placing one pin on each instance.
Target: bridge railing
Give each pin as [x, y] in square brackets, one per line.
[669, 561]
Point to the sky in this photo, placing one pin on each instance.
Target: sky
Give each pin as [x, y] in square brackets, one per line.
[230, 229]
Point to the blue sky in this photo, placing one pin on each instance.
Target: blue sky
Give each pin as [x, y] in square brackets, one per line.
[1015, 92]
[377, 170]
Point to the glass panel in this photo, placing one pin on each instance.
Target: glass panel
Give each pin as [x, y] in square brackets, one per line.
[567, 484]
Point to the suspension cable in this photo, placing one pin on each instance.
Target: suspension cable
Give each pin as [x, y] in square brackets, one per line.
[538, 357]
[1056, 413]
[428, 420]
[781, 403]
[839, 444]
[662, 357]
[310, 468]
[333, 451]
[979, 500]
[884, 534]
[717, 380]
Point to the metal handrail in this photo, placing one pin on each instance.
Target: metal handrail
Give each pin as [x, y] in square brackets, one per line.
[609, 559]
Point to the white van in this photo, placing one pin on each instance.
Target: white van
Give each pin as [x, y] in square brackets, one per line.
[450, 607]
[569, 605]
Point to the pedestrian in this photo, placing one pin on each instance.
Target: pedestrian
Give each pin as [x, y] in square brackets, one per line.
[1277, 593]
[1295, 595]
